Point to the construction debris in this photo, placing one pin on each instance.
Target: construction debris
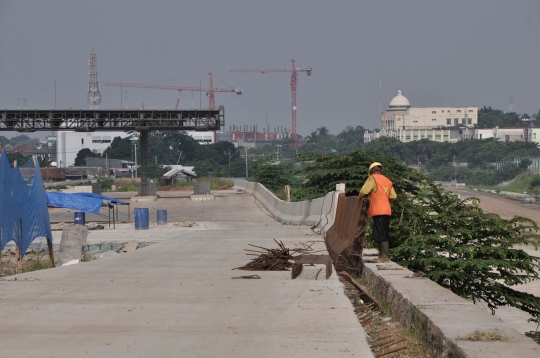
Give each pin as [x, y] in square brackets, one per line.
[312, 260]
[249, 277]
[129, 246]
[386, 338]
[270, 259]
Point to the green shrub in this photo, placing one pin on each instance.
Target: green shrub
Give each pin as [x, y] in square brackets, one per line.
[535, 182]
[106, 183]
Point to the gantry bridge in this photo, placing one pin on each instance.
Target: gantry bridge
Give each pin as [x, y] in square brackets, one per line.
[142, 121]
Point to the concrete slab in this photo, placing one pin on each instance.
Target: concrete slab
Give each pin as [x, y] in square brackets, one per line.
[144, 199]
[202, 197]
[176, 298]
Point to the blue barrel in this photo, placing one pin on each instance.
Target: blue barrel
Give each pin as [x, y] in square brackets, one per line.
[79, 218]
[161, 217]
[142, 219]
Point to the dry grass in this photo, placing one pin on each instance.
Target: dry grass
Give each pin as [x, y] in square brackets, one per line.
[485, 336]
[127, 184]
[32, 261]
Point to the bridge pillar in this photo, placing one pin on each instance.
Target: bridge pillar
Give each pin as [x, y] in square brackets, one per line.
[143, 136]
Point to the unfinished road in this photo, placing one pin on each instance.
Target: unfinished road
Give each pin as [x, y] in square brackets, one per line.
[177, 298]
[508, 208]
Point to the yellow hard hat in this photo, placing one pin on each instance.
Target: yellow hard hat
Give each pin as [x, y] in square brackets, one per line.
[375, 164]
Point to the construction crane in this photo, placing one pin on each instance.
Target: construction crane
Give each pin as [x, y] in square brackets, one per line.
[210, 90]
[294, 84]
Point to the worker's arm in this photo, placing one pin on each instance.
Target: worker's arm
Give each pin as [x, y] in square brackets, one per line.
[368, 187]
[393, 195]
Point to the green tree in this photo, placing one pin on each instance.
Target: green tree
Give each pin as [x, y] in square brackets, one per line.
[205, 167]
[312, 138]
[490, 118]
[272, 175]
[524, 164]
[352, 137]
[20, 158]
[390, 147]
[535, 182]
[80, 159]
[323, 133]
[120, 148]
[44, 161]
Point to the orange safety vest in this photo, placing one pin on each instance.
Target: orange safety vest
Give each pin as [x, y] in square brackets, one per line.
[380, 199]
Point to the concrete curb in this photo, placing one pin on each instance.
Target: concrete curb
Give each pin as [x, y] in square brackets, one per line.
[441, 317]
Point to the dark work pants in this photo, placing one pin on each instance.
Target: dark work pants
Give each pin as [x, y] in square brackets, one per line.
[381, 224]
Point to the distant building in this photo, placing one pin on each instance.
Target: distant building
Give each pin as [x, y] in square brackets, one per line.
[441, 124]
[116, 167]
[26, 150]
[533, 131]
[208, 137]
[69, 143]
[503, 134]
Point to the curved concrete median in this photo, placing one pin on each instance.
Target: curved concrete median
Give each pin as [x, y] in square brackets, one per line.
[319, 212]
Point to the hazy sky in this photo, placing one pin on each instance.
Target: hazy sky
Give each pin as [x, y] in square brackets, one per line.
[439, 53]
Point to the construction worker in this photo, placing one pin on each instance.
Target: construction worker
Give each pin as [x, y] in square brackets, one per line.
[381, 191]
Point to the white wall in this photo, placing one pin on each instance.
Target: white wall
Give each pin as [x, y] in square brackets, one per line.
[203, 137]
[433, 117]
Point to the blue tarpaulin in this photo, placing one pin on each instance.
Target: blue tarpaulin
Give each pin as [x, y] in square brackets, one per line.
[87, 202]
[23, 209]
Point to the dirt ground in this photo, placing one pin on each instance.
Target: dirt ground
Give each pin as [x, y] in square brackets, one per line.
[505, 207]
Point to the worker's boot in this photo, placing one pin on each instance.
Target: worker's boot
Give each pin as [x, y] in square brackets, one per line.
[384, 254]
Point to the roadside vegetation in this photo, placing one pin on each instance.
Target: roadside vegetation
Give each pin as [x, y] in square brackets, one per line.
[453, 241]
[32, 261]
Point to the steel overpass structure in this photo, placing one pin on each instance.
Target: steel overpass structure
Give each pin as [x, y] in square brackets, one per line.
[141, 121]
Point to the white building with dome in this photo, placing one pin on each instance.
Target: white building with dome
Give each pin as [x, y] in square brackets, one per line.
[441, 124]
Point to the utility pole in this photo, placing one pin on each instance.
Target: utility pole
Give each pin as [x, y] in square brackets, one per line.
[337, 146]
[135, 144]
[455, 172]
[246, 164]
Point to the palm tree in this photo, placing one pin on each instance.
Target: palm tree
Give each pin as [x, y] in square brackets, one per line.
[323, 132]
[313, 137]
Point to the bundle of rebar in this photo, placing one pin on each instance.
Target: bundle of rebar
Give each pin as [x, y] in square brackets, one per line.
[270, 259]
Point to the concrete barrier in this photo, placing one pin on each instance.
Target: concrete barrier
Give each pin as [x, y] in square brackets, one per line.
[319, 212]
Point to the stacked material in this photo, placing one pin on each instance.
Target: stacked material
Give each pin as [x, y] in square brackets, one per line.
[270, 259]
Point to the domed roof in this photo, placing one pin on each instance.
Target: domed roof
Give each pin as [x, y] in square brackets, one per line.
[399, 101]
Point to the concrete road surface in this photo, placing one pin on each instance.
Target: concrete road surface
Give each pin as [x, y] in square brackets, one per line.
[176, 298]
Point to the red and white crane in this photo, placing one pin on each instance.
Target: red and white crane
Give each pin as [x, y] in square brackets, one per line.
[294, 83]
[94, 97]
[210, 90]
